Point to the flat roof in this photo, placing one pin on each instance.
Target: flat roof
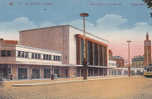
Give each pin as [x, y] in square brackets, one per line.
[66, 26]
[24, 46]
[29, 47]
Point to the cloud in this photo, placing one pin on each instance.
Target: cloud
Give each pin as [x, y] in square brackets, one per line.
[111, 27]
[111, 21]
[79, 24]
[46, 24]
[18, 23]
[108, 27]
[9, 30]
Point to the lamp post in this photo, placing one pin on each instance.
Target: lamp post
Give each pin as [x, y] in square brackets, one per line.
[85, 71]
[52, 71]
[129, 41]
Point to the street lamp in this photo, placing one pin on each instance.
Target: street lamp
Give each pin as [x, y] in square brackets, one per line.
[129, 41]
[83, 15]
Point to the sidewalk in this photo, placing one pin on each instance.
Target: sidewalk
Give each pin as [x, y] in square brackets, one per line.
[68, 80]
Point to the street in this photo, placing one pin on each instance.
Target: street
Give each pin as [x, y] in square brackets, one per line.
[121, 88]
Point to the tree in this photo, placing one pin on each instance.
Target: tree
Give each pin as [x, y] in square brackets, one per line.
[149, 5]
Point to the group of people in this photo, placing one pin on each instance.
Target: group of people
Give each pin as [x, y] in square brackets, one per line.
[10, 77]
[53, 76]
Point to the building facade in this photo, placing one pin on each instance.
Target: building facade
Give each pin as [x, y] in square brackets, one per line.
[147, 51]
[138, 62]
[119, 61]
[69, 41]
[24, 62]
[53, 50]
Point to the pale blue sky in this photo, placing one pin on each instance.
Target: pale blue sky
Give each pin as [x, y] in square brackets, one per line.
[114, 20]
[67, 10]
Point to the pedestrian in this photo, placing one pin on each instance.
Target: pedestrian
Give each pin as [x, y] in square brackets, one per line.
[52, 76]
[11, 77]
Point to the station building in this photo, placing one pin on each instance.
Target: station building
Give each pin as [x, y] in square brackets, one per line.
[58, 50]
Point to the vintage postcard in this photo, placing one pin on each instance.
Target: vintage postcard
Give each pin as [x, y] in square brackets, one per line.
[75, 49]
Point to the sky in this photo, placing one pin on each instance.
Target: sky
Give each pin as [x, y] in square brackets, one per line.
[113, 20]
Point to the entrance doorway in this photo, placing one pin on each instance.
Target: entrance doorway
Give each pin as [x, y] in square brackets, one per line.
[47, 73]
[35, 73]
[5, 70]
[22, 73]
[66, 73]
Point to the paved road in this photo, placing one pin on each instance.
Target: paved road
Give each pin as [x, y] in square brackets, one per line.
[122, 88]
[143, 93]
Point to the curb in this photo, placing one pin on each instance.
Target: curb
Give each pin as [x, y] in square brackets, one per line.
[61, 82]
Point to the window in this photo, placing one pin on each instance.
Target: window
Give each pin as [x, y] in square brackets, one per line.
[36, 56]
[26, 55]
[39, 56]
[57, 58]
[35, 73]
[5, 53]
[32, 55]
[8, 53]
[47, 57]
[47, 72]
[18, 53]
[22, 53]
[22, 73]
[44, 56]
[54, 58]
[50, 57]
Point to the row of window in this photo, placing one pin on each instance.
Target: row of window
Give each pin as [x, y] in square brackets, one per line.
[5, 53]
[22, 54]
[38, 56]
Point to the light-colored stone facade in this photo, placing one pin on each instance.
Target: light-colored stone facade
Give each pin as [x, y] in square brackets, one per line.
[61, 38]
[14, 59]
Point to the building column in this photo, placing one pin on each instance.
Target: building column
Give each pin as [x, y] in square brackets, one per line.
[15, 72]
[29, 73]
[98, 71]
[103, 57]
[78, 50]
[80, 72]
[72, 72]
[99, 55]
[41, 73]
[108, 71]
[93, 53]
[92, 72]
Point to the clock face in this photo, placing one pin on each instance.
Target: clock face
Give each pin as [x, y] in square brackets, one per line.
[147, 43]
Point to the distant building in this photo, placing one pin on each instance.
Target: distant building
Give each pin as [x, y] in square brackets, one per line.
[110, 54]
[147, 51]
[138, 61]
[119, 61]
[112, 63]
